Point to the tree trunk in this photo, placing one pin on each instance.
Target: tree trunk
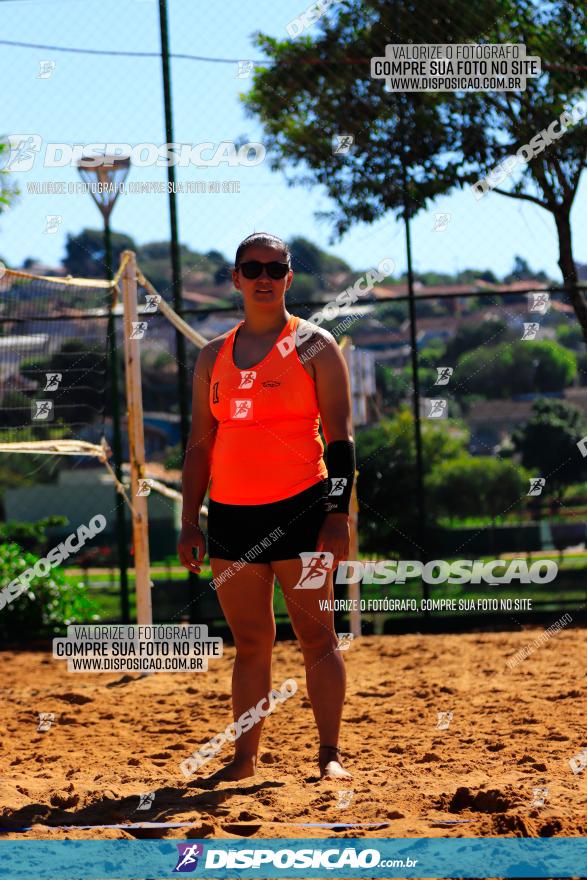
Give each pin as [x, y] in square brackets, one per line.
[567, 267]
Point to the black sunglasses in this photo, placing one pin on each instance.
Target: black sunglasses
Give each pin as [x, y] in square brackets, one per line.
[253, 269]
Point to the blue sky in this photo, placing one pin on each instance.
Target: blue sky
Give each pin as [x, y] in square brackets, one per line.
[96, 99]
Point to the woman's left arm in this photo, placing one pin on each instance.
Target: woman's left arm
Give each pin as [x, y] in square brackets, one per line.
[334, 402]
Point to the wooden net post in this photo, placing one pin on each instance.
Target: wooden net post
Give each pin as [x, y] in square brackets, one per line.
[136, 440]
[354, 589]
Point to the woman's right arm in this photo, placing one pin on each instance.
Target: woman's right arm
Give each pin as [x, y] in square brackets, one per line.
[197, 463]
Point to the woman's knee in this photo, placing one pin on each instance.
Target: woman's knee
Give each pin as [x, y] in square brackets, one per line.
[317, 639]
[255, 645]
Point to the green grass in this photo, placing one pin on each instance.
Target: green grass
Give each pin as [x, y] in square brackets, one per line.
[570, 585]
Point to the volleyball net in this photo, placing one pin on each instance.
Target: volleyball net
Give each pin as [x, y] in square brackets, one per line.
[62, 340]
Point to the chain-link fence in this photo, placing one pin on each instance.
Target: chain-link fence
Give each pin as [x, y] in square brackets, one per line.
[470, 398]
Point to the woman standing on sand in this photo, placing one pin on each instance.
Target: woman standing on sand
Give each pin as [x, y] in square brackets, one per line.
[257, 403]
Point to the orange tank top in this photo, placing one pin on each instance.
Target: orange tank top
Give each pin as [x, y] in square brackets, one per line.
[267, 443]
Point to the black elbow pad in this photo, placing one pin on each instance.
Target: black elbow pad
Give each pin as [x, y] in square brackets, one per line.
[341, 466]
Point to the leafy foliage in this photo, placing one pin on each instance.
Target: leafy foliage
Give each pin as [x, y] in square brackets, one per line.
[47, 606]
[474, 486]
[412, 147]
[386, 459]
[505, 370]
[548, 442]
[85, 256]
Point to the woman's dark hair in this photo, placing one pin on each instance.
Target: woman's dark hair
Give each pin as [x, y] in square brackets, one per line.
[262, 239]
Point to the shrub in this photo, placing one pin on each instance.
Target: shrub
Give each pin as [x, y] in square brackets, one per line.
[47, 606]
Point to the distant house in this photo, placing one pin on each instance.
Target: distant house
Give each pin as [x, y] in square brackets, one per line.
[37, 268]
[390, 347]
[161, 430]
[80, 495]
[577, 396]
[14, 349]
[457, 296]
[492, 421]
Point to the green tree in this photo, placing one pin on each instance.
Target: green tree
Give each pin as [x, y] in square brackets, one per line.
[85, 257]
[430, 357]
[425, 144]
[520, 270]
[47, 606]
[570, 336]
[393, 313]
[307, 258]
[392, 384]
[477, 486]
[304, 288]
[470, 337]
[386, 488]
[9, 192]
[505, 370]
[470, 276]
[548, 443]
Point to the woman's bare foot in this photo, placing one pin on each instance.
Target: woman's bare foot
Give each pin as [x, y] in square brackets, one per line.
[238, 768]
[330, 766]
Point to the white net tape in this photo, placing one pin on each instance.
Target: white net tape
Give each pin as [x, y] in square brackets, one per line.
[103, 451]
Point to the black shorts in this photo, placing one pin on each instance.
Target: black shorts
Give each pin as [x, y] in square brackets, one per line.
[267, 532]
